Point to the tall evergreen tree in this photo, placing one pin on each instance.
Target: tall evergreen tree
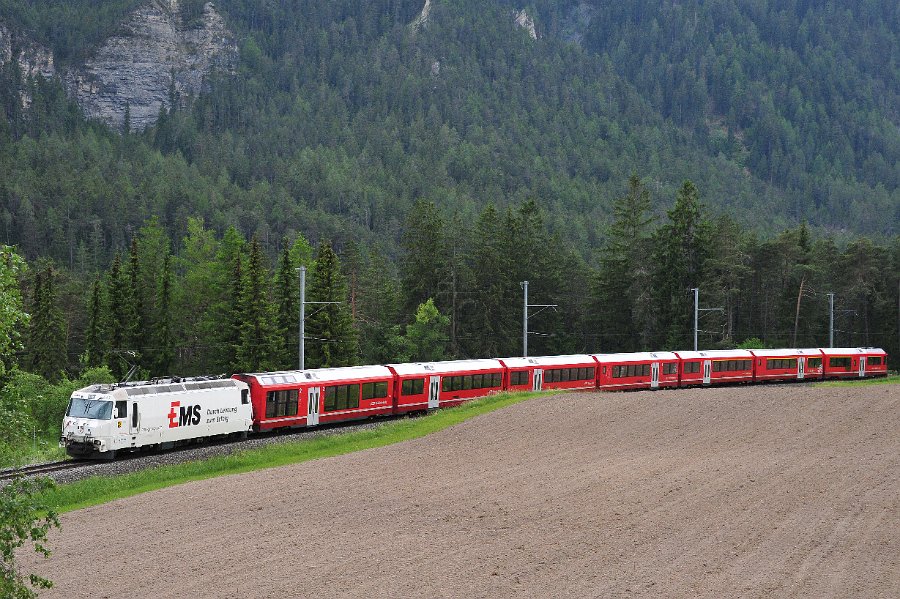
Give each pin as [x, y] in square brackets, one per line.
[331, 338]
[117, 323]
[423, 267]
[137, 335]
[47, 341]
[95, 337]
[680, 249]
[164, 350]
[622, 316]
[287, 303]
[261, 345]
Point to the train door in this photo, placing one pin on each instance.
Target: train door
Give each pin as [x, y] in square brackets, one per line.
[434, 390]
[134, 421]
[707, 371]
[862, 366]
[312, 406]
[801, 367]
[654, 375]
[538, 381]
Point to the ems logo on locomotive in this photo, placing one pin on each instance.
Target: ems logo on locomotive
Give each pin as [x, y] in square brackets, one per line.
[185, 416]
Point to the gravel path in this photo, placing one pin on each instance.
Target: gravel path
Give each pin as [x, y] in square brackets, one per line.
[745, 492]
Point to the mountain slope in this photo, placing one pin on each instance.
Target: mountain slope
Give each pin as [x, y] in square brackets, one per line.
[341, 114]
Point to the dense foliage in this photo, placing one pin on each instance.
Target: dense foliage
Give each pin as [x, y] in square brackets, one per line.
[25, 520]
[341, 116]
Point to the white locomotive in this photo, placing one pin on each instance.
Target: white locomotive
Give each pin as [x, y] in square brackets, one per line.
[105, 419]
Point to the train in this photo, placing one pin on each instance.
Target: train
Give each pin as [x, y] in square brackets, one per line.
[103, 421]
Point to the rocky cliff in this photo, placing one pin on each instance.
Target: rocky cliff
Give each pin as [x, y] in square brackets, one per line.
[156, 58]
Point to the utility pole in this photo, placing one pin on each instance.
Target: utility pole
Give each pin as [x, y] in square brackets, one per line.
[831, 320]
[697, 310]
[525, 321]
[303, 303]
[302, 348]
[525, 307]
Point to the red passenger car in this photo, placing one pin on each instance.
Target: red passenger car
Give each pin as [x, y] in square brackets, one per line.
[429, 385]
[787, 364]
[712, 367]
[642, 370]
[310, 397]
[551, 372]
[854, 362]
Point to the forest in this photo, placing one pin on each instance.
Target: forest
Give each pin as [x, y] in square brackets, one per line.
[217, 304]
[629, 154]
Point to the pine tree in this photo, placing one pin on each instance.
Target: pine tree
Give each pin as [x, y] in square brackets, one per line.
[94, 342]
[230, 338]
[287, 303]
[332, 339]
[116, 311]
[423, 267]
[164, 342]
[622, 315]
[136, 337]
[46, 339]
[261, 345]
[680, 249]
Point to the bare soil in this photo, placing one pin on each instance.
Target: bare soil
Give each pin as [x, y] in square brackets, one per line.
[776, 491]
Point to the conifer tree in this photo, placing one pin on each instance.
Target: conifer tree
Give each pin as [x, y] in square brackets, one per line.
[331, 338]
[260, 347]
[164, 342]
[47, 339]
[423, 267]
[621, 304]
[681, 247]
[117, 314]
[94, 341]
[136, 337]
[230, 339]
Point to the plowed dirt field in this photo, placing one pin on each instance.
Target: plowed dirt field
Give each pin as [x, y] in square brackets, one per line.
[776, 491]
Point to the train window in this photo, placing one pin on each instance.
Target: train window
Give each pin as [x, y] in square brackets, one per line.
[412, 387]
[281, 403]
[839, 363]
[813, 362]
[670, 368]
[495, 379]
[717, 367]
[478, 381]
[564, 375]
[380, 389]
[368, 390]
[519, 377]
[341, 397]
[445, 383]
[122, 409]
[646, 370]
[874, 361]
[467, 382]
[591, 373]
[456, 383]
[691, 367]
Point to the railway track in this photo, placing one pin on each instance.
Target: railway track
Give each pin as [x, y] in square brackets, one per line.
[38, 469]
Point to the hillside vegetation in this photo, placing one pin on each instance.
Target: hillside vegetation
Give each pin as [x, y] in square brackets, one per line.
[342, 115]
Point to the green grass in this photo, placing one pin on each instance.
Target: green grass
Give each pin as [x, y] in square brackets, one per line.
[97, 490]
[887, 380]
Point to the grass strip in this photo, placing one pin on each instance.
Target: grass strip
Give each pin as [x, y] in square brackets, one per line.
[886, 380]
[102, 489]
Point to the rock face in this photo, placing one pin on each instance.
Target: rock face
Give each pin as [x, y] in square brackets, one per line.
[155, 55]
[33, 59]
[526, 22]
[422, 19]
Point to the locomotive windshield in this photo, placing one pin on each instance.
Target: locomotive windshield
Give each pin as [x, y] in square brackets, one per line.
[90, 408]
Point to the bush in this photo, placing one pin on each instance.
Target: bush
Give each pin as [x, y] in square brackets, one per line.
[24, 519]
